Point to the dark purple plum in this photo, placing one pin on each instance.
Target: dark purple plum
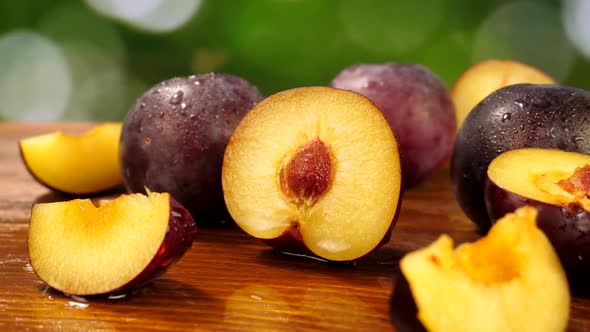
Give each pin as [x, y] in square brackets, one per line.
[174, 137]
[517, 116]
[417, 106]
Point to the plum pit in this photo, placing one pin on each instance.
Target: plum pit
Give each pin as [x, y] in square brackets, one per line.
[308, 174]
[579, 183]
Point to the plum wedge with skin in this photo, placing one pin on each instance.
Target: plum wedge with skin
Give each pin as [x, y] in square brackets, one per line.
[314, 170]
[75, 164]
[80, 249]
[509, 280]
[555, 182]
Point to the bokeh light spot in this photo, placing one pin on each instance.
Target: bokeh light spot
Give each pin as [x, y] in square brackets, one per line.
[150, 15]
[36, 82]
[96, 55]
[526, 31]
[575, 14]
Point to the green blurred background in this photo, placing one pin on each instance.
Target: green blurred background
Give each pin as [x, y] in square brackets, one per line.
[90, 60]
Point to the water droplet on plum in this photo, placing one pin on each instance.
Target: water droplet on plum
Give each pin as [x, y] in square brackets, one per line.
[506, 116]
[177, 97]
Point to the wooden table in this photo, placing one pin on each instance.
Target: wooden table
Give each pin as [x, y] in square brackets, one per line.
[227, 281]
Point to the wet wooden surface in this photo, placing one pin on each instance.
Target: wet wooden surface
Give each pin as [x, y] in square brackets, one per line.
[226, 281]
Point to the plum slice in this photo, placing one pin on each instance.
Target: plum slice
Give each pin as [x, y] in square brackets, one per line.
[557, 183]
[75, 164]
[509, 280]
[81, 249]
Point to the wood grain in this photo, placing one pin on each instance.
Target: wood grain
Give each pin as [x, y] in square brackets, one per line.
[227, 281]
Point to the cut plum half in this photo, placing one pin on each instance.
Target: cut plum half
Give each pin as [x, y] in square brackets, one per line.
[314, 170]
[81, 249]
[555, 182]
[75, 164]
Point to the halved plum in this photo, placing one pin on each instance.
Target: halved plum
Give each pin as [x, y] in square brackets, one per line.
[557, 184]
[314, 170]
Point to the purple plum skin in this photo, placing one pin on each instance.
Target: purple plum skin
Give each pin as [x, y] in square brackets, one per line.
[179, 237]
[516, 116]
[566, 227]
[417, 106]
[174, 137]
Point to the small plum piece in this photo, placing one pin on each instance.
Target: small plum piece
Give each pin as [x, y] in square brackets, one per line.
[75, 164]
[80, 249]
[514, 117]
[418, 108]
[314, 171]
[174, 137]
[487, 76]
[509, 280]
[555, 182]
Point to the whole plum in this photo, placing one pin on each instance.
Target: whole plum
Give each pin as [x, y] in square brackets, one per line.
[417, 106]
[514, 117]
[174, 137]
